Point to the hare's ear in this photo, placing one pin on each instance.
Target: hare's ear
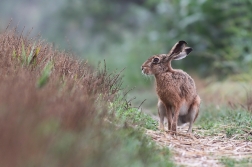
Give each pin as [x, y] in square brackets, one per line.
[177, 48]
[183, 54]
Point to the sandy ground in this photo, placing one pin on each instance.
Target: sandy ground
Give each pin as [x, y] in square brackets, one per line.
[196, 150]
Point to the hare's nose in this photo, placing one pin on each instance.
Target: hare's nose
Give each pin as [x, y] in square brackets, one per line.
[142, 67]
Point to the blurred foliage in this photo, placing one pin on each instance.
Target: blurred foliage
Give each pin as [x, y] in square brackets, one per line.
[126, 33]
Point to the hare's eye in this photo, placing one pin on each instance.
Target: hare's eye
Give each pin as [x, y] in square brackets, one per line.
[155, 60]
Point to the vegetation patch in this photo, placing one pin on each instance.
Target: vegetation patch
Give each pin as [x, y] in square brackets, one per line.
[56, 110]
[133, 116]
[234, 123]
[230, 162]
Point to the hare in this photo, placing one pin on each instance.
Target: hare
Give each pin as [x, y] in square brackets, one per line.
[178, 99]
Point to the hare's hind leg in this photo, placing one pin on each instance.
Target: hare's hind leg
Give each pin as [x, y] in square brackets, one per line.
[193, 113]
[162, 114]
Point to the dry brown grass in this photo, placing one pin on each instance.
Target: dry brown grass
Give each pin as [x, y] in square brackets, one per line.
[69, 98]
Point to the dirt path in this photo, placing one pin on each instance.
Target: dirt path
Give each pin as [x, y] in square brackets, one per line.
[202, 151]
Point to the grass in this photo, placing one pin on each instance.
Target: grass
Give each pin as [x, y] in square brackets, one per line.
[230, 162]
[43, 79]
[134, 116]
[225, 120]
[60, 111]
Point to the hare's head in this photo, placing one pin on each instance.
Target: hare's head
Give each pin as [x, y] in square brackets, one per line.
[161, 63]
[154, 64]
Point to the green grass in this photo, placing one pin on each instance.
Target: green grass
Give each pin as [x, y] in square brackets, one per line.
[132, 116]
[226, 120]
[230, 162]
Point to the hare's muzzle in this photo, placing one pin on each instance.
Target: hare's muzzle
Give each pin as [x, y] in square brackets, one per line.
[144, 70]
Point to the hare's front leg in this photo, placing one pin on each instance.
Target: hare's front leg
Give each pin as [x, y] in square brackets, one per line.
[175, 119]
[169, 116]
[162, 114]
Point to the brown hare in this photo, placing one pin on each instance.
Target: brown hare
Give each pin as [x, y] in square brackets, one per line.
[178, 99]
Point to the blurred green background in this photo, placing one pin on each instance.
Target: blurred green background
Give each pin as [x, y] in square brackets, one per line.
[126, 32]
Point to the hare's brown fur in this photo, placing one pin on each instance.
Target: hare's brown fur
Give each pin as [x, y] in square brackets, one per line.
[178, 99]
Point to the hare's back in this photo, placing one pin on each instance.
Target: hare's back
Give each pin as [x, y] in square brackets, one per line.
[186, 85]
[183, 78]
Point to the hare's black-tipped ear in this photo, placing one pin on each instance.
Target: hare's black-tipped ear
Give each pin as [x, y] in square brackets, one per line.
[183, 54]
[188, 50]
[177, 48]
